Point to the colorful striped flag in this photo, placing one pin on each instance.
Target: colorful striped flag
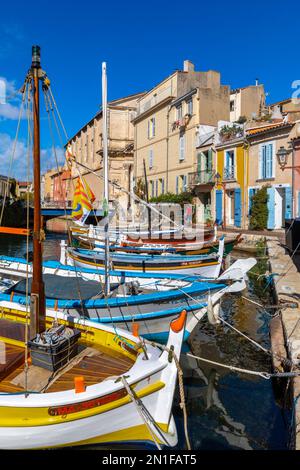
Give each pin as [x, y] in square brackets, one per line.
[83, 201]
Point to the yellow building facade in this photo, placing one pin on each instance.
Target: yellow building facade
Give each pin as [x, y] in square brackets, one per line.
[231, 199]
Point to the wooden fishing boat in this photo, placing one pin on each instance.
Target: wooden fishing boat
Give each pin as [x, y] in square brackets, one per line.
[67, 381]
[92, 398]
[188, 249]
[150, 300]
[207, 266]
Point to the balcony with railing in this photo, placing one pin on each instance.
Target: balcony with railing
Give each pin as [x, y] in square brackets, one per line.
[229, 173]
[201, 177]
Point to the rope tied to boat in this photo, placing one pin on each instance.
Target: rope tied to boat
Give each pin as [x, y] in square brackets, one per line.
[182, 403]
[264, 375]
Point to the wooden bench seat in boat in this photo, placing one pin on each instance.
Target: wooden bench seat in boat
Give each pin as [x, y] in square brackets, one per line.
[93, 364]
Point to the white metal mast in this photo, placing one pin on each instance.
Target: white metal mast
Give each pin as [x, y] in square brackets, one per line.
[105, 168]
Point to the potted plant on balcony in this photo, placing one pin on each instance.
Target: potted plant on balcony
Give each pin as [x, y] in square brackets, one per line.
[230, 132]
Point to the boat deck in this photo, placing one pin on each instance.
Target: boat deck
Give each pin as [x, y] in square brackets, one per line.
[95, 364]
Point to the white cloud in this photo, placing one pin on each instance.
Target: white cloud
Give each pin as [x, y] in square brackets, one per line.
[10, 100]
[19, 164]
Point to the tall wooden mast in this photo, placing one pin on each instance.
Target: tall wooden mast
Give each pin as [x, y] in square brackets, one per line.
[37, 298]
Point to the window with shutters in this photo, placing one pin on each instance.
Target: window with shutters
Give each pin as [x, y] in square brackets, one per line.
[189, 106]
[181, 147]
[162, 185]
[151, 184]
[151, 128]
[151, 159]
[266, 164]
[179, 112]
[229, 168]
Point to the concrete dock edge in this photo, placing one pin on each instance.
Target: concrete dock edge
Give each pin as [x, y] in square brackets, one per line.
[285, 330]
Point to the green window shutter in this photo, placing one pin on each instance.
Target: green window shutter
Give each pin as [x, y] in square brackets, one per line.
[209, 160]
[199, 157]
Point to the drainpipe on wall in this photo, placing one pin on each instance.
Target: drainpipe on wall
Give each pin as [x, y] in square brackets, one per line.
[167, 162]
[293, 180]
[246, 182]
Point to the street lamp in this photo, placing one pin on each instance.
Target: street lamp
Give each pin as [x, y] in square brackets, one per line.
[282, 155]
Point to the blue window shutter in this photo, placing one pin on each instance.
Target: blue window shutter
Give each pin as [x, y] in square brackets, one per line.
[227, 160]
[251, 194]
[184, 183]
[271, 208]
[288, 202]
[148, 129]
[261, 162]
[162, 185]
[237, 208]
[219, 210]
[269, 161]
[177, 184]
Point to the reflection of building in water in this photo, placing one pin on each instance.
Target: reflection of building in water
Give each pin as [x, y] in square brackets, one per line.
[231, 430]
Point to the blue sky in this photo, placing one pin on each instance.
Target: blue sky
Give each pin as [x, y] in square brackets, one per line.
[142, 42]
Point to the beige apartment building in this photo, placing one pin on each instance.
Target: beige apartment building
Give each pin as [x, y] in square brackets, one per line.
[87, 146]
[247, 102]
[168, 124]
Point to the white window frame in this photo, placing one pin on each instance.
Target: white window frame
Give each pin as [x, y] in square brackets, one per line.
[234, 160]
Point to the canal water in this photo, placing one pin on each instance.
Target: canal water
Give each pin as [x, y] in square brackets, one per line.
[226, 410]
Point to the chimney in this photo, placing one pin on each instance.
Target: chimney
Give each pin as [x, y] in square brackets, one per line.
[188, 66]
[256, 82]
[276, 114]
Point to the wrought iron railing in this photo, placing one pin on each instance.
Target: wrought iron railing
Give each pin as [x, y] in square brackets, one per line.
[229, 173]
[201, 177]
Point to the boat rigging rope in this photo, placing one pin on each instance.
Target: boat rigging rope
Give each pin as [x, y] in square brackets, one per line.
[53, 108]
[129, 193]
[49, 107]
[182, 399]
[181, 386]
[116, 185]
[284, 360]
[12, 157]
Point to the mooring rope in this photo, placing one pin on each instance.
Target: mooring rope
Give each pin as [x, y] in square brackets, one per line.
[264, 375]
